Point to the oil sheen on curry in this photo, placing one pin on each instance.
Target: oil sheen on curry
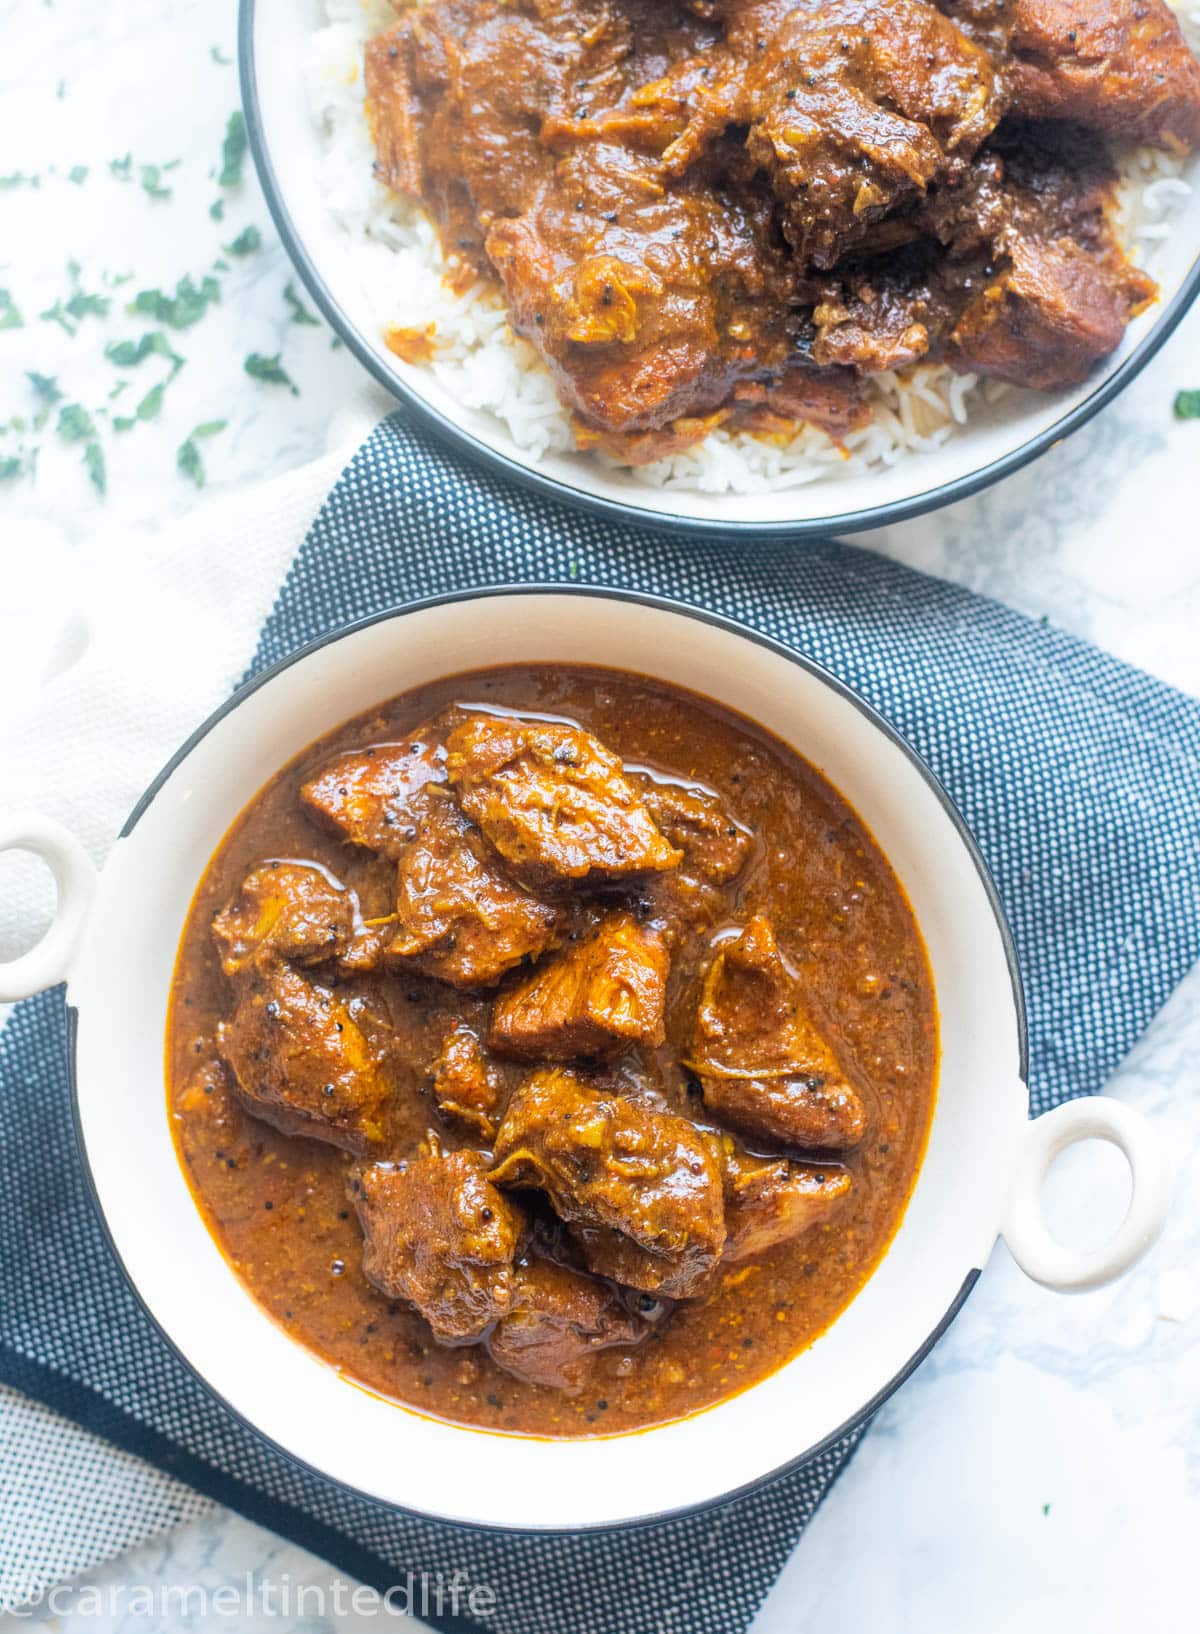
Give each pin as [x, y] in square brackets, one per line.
[551, 1051]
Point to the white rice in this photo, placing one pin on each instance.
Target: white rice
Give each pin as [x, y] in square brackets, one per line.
[479, 362]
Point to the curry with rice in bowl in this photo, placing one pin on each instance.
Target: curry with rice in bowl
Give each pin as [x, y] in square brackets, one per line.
[750, 219]
[551, 1051]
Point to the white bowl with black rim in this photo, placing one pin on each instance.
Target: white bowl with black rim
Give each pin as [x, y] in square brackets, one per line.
[115, 940]
[275, 44]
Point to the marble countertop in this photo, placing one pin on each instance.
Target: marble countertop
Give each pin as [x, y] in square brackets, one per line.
[1042, 1469]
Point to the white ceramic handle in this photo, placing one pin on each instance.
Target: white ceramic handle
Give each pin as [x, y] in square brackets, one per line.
[75, 877]
[1095, 1117]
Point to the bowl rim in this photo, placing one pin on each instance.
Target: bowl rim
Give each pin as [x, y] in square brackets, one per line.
[528, 476]
[662, 604]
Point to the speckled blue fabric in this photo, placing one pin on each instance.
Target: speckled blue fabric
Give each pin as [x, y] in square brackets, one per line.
[1079, 776]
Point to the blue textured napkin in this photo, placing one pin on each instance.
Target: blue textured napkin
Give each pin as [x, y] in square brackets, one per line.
[1080, 777]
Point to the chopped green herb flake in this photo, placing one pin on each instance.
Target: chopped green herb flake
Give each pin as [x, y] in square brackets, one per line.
[246, 242]
[10, 316]
[270, 371]
[46, 390]
[78, 174]
[217, 209]
[10, 468]
[18, 178]
[60, 90]
[93, 458]
[121, 386]
[152, 182]
[45, 385]
[1187, 405]
[187, 458]
[209, 428]
[151, 405]
[128, 353]
[218, 56]
[1045, 1509]
[233, 150]
[300, 313]
[122, 169]
[83, 306]
[123, 422]
[74, 423]
[179, 311]
[77, 306]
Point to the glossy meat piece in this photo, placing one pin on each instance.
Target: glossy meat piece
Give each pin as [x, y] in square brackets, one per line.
[768, 1203]
[285, 910]
[1048, 317]
[465, 1084]
[540, 157]
[1033, 287]
[392, 109]
[366, 795]
[775, 404]
[856, 106]
[301, 1060]
[439, 1235]
[649, 322]
[878, 318]
[642, 1187]
[591, 997]
[967, 220]
[764, 1067]
[553, 801]
[1057, 292]
[558, 1320]
[457, 916]
[830, 399]
[693, 819]
[1118, 66]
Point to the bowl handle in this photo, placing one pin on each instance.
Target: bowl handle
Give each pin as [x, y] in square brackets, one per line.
[75, 877]
[1094, 1117]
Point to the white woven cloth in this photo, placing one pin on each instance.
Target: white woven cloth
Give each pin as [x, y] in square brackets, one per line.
[69, 1499]
[104, 677]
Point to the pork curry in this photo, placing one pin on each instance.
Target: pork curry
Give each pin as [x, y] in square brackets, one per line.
[733, 212]
[551, 1050]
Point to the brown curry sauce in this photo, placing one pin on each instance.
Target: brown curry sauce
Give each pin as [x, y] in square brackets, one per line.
[277, 1205]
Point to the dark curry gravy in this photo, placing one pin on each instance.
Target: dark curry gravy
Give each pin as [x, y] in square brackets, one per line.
[278, 1207]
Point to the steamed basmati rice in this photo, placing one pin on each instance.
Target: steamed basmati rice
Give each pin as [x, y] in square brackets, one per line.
[480, 363]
